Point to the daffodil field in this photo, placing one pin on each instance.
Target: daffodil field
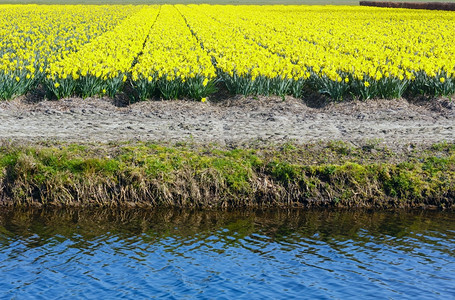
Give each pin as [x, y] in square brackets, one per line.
[190, 51]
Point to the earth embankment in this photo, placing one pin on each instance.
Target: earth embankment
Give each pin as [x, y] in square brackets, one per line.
[234, 121]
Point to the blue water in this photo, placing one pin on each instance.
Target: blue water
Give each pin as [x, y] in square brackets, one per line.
[133, 254]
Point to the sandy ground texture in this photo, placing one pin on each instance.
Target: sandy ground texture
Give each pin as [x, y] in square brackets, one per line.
[234, 121]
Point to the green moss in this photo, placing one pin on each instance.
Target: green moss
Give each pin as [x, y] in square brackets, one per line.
[236, 174]
[283, 172]
[402, 184]
[443, 146]
[8, 159]
[340, 147]
[158, 166]
[436, 164]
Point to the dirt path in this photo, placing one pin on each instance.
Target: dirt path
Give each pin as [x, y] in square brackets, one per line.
[237, 120]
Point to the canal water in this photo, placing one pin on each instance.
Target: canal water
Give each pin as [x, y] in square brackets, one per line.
[181, 254]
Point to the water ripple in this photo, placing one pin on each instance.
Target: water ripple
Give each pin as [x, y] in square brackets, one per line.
[228, 255]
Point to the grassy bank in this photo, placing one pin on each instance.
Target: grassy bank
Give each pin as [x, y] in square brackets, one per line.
[329, 174]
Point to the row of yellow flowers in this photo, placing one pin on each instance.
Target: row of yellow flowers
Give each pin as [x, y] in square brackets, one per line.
[185, 50]
[243, 64]
[33, 36]
[100, 67]
[173, 64]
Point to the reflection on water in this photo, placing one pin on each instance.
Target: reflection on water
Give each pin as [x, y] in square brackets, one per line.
[255, 254]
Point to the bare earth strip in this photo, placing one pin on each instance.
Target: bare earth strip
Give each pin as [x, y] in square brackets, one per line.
[233, 122]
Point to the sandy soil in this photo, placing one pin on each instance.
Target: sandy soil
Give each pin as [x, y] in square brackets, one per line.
[233, 121]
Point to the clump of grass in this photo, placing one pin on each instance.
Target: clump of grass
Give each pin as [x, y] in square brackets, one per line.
[324, 174]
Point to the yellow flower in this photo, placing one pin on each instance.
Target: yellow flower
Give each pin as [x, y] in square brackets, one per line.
[56, 84]
[17, 79]
[366, 84]
[442, 79]
[203, 99]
